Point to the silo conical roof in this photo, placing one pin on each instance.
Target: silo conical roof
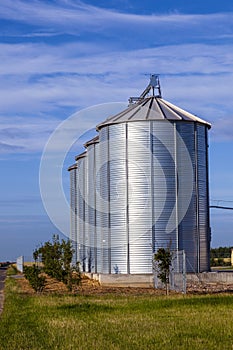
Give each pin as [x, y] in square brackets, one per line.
[152, 108]
[92, 141]
[81, 155]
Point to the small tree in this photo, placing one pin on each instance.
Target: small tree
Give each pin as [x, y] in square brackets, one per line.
[75, 277]
[57, 261]
[33, 275]
[51, 254]
[163, 257]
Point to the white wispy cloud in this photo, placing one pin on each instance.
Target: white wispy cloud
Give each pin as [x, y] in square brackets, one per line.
[27, 59]
[76, 16]
[42, 79]
[25, 134]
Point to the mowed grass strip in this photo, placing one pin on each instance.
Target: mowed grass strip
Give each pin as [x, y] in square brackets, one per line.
[115, 322]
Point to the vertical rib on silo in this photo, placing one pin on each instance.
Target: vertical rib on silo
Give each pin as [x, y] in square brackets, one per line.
[139, 201]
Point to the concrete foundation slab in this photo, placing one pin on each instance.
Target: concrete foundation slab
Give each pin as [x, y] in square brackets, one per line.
[147, 280]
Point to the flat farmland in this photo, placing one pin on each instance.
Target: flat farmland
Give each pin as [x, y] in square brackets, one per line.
[112, 320]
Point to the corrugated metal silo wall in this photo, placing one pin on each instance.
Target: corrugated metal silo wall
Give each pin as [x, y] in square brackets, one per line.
[203, 196]
[164, 185]
[126, 211]
[104, 192]
[98, 208]
[81, 213]
[118, 198]
[144, 181]
[91, 207]
[140, 197]
[73, 213]
[90, 214]
[86, 225]
[188, 233]
[194, 228]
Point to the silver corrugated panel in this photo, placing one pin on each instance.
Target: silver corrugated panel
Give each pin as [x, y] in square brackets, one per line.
[118, 198]
[73, 211]
[90, 205]
[99, 239]
[203, 207]
[86, 224]
[81, 193]
[78, 223]
[194, 228]
[164, 188]
[104, 196]
[91, 218]
[139, 201]
[188, 235]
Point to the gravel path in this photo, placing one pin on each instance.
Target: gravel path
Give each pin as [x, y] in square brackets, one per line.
[2, 281]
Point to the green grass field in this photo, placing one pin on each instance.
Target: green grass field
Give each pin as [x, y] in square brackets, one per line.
[115, 322]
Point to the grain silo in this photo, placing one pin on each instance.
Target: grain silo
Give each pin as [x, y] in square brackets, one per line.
[151, 186]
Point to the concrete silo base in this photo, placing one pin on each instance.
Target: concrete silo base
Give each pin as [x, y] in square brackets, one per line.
[123, 280]
[210, 277]
[147, 280]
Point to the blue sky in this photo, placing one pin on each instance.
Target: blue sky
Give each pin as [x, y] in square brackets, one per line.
[60, 56]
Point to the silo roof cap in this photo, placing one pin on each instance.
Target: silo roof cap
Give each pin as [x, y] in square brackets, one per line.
[152, 108]
[81, 155]
[72, 167]
[92, 141]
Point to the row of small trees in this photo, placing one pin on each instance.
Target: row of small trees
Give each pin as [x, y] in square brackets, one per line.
[54, 259]
[220, 256]
[220, 252]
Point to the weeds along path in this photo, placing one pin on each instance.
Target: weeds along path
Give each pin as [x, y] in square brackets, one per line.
[2, 282]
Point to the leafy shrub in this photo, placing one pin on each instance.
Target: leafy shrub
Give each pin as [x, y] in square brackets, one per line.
[56, 257]
[163, 257]
[75, 277]
[32, 274]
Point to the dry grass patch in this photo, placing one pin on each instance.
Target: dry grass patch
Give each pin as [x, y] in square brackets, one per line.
[114, 320]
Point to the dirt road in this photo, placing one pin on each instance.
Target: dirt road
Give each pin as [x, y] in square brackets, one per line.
[2, 281]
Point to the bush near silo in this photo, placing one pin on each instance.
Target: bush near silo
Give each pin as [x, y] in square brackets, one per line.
[56, 258]
[163, 257]
[33, 275]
